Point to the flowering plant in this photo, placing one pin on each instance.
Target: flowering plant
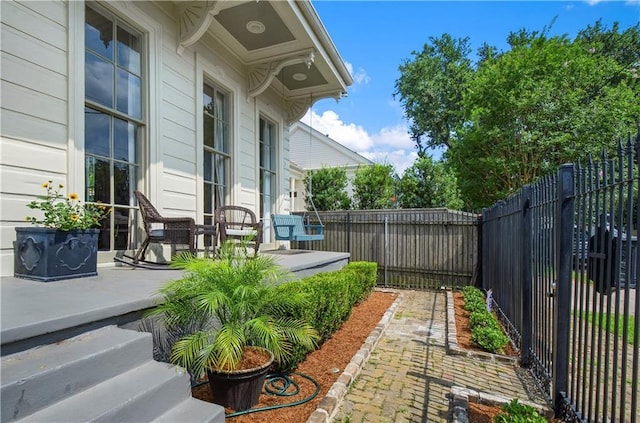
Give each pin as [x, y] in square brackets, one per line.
[66, 212]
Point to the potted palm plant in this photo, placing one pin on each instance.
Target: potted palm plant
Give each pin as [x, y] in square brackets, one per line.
[241, 321]
[66, 245]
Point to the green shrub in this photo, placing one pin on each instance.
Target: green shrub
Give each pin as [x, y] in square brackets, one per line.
[515, 412]
[474, 304]
[471, 293]
[483, 319]
[491, 339]
[473, 299]
[330, 297]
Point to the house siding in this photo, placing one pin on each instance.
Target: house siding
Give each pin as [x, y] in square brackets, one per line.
[36, 132]
[34, 112]
[312, 150]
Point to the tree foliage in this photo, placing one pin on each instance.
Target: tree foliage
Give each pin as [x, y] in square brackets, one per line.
[373, 187]
[328, 189]
[430, 89]
[519, 114]
[427, 184]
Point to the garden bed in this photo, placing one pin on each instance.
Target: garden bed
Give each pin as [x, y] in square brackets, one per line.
[325, 365]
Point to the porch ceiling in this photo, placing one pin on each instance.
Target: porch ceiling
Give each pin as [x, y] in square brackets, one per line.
[282, 43]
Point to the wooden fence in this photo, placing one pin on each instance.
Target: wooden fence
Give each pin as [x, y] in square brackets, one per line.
[414, 248]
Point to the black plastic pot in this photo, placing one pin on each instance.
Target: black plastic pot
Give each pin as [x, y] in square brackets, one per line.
[239, 389]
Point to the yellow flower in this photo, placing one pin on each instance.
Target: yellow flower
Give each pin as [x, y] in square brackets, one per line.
[45, 185]
[73, 196]
[73, 217]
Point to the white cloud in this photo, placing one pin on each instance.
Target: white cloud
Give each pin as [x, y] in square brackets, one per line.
[395, 137]
[391, 145]
[359, 78]
[350, 135]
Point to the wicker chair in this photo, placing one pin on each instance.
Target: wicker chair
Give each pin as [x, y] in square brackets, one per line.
[238, 223]
[164, 230]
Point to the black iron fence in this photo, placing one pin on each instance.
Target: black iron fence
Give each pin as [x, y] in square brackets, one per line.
[561, 261]
[414, 248]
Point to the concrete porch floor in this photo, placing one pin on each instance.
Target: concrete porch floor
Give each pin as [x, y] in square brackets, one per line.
[35, 313]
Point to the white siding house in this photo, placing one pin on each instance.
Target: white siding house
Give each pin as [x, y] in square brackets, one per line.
[312, 150]
[189, 102]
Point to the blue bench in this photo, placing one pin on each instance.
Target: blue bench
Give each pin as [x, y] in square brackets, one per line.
[290, 227]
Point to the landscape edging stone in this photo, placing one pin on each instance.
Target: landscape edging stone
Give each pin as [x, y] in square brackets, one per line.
[329, 405]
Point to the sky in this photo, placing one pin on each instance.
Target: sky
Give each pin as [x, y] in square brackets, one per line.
[375, 37]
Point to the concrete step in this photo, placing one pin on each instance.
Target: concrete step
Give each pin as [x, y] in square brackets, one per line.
[139, 395]
[193, 411]
[35, 378]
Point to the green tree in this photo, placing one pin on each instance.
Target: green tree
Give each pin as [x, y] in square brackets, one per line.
[428, 183]
[431, 87]
[373, 186]
[519, 114]
[328, 189]
[546, 102]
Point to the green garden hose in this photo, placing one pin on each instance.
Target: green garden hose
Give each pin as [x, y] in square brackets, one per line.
[279, 384]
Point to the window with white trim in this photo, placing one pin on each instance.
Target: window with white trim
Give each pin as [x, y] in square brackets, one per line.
[113, 122]
[217, 147]
[268, 167]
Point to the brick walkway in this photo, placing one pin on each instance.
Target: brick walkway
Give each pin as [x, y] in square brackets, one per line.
[408, 377]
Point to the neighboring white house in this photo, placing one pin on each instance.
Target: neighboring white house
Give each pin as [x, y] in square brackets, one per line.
[311, 150]
[187, 101]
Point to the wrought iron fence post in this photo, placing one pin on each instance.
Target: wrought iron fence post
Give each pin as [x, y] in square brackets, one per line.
[479, 268]
[562, 308]
[527, 275]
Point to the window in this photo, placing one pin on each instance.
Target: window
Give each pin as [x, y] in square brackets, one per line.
[268, 166]
[113, 123]
[216, 150]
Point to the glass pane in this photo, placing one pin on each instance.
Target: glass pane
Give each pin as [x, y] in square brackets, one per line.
[221, 142]
[220, 177]
[208, 167]
[266, 180]
[272, 154]
[221, 106]
[121, 228]
[104, 237]
[220, 196]
[207, 100]
[265, 156]
[128, 51]
[125, 140]
[124, 183]
[98, 33]
[208, 131]
[128, 89]
[98, 79]
[208, 198]
[98, 180]
[96, 132]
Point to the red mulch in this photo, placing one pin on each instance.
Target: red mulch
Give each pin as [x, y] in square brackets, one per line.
[325, 365]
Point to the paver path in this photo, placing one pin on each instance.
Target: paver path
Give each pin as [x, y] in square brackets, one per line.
[409, 375]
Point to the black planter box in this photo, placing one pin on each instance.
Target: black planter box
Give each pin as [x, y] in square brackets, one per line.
[46, 254]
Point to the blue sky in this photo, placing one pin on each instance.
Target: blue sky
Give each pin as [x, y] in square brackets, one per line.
[375, 37]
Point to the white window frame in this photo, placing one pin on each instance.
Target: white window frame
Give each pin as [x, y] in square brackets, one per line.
[151, 62]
